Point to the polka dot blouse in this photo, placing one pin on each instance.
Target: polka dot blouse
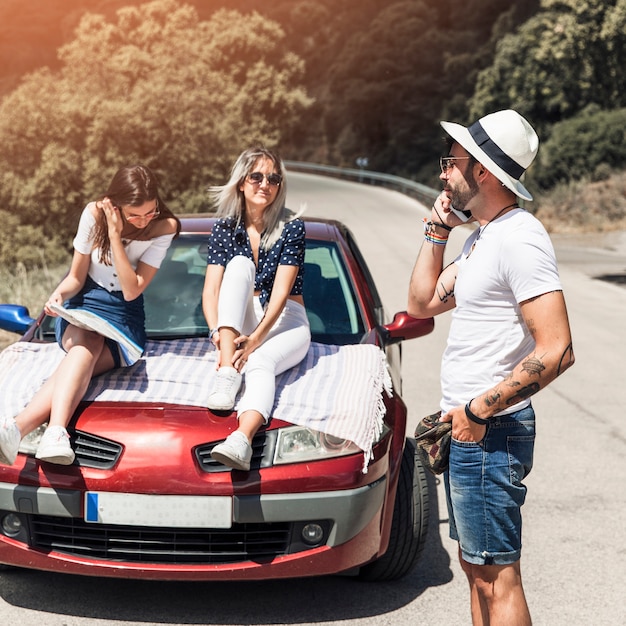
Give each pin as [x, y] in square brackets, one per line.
[228, 239]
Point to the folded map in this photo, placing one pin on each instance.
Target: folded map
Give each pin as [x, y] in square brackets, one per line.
[130, 351]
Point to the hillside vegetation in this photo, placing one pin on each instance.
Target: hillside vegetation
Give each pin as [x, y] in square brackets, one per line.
[185, 85]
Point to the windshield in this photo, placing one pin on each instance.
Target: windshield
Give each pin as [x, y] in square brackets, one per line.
[173, 300]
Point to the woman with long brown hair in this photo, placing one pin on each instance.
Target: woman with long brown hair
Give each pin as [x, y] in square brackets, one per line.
[120, 243]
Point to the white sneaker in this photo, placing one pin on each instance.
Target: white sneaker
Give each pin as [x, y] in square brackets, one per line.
[10, 438]
[235, 451]
[55, 446]
[227, 383]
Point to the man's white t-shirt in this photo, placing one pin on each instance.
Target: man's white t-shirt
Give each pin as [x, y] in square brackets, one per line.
[510, 261]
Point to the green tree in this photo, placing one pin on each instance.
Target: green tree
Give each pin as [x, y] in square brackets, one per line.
[157, 86]
[403, 64]
[382, 86]
[589, 146]
[474, 34]
[384, 73]
[23, 244]
[569, 55]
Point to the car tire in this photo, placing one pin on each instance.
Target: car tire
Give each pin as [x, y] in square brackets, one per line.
[409, 525]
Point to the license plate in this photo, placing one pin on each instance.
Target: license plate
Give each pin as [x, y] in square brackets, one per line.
[133, 509]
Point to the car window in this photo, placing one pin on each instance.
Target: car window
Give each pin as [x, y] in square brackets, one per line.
[173, 300]
[329, 296]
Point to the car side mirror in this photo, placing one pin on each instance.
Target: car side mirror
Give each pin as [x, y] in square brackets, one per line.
[15, 318]
[404, 327]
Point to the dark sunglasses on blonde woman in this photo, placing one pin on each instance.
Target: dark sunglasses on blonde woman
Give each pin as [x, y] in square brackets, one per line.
[256, 178]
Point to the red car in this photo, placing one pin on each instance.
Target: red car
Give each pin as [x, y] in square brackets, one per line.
[144, 499]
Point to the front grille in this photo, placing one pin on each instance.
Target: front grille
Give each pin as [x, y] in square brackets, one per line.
[97, 452]
[263, 445]
[132, 544]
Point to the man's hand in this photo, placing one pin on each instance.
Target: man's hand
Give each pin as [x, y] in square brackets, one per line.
[464, 429]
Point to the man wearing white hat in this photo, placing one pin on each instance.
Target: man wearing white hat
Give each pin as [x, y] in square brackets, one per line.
[509, 337]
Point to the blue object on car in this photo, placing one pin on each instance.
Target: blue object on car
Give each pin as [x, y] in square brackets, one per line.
[15, 318]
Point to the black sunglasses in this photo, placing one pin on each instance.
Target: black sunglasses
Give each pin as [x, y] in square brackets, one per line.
[272, 179]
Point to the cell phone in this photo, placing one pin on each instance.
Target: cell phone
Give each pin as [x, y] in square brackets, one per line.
[465, 216]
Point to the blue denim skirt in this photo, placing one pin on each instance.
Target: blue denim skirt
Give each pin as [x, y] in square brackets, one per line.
[485, 492]
[127, 317]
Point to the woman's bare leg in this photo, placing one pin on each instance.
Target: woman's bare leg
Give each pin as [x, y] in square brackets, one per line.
[87, 356]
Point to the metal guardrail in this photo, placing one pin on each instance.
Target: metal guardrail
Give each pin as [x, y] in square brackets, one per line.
[410, 188]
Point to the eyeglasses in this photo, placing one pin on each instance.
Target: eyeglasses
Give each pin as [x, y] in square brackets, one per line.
[147, 216]
[256, 178]
[447, 162]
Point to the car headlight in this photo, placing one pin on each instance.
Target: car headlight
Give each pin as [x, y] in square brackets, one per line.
[30, 443]
[296, 444]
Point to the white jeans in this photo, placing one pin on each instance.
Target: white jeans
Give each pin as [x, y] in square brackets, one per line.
[283, 347]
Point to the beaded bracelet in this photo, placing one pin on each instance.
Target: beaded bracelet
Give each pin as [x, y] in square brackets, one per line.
[431, 235]
[430, 227]
[435, 239]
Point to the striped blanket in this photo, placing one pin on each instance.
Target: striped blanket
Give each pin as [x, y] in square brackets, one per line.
[336, 390]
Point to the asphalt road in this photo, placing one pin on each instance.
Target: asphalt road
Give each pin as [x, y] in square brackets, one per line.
[574, 550]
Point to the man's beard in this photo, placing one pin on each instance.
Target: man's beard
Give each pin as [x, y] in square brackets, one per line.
[460, 199]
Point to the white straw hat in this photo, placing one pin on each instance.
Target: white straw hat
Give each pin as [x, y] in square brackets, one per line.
[504, 142]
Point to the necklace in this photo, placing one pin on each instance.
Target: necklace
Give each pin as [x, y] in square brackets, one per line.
[482, 229]
[495, 217]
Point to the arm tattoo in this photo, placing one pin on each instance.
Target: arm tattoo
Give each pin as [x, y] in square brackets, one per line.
[533, 366]
[509, 382]
[444, 294]
[523, 393]
[567, 359]
[492, 399]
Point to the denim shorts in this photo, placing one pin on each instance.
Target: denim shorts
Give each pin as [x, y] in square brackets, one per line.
[484, 489]
[127, 316]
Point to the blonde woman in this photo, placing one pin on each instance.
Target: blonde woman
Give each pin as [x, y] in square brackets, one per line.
[252, 296]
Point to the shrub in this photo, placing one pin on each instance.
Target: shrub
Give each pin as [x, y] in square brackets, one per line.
[586, 206]
[29, 287]
[585, 147]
